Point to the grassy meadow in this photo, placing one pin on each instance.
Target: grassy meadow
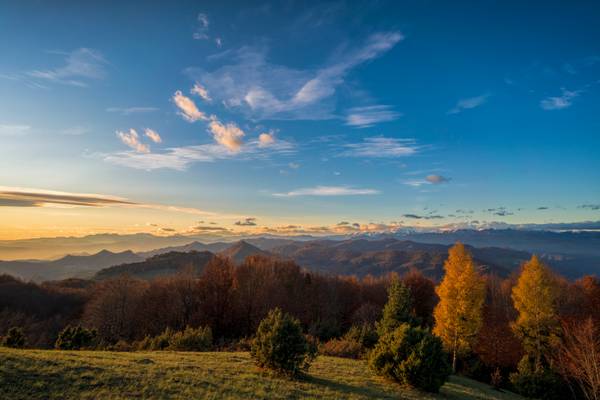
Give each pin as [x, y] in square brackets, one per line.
[49, 374]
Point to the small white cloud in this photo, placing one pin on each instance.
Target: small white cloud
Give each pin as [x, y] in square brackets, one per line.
[219, 42]
[153, 135]
[132, 140]
[203, 21]
[364, 117]
[328, 191]
[188, 108]
[228, 135]
[467, 104]
[437, 179]
[266, 139]
[559, 102]
[201, 91]
[380, 147]
[202, 29]
[294, 165]
[415, 183]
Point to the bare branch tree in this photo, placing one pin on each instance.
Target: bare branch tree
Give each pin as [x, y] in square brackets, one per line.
[578, 358]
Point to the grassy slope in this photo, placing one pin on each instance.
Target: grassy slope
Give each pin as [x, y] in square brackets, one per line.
[36, 374]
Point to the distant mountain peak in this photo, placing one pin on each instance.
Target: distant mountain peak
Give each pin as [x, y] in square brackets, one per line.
[242, 249]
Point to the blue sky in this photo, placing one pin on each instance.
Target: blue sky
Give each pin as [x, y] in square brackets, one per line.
[304, 114]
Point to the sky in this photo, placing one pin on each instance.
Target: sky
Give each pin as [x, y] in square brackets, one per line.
[296, 117]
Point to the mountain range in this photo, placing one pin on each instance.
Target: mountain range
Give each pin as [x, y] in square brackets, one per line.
[573, 254]
[70, 266]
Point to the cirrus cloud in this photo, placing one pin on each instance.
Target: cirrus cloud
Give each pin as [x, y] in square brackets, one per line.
[565, 100]
[380, 147]
[469, 103]
[263, 90]
[328, 191]
[364, 117]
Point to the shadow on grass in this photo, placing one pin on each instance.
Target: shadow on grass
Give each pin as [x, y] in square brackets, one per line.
[345, 388]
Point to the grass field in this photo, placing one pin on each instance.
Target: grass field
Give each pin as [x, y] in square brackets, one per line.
[47, 374]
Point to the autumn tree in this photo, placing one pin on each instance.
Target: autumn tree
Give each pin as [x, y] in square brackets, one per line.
[496, 345]
[422, 292]
[113, 308]
[458, 315]
[217, 294]
[534, 298]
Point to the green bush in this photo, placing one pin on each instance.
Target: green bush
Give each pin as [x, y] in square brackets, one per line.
[75, 338]
[364, 334]
[191, 339]
[280, 344]
[354, 344]
[397, 310]
[538, 382]
[14, 338]
[411, 356]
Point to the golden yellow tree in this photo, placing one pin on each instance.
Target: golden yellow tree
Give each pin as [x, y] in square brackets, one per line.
[534, 297]
[458, 315]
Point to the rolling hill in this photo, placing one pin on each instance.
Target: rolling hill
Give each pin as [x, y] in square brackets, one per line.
[376, 257]
[70, 266]
[160, 265]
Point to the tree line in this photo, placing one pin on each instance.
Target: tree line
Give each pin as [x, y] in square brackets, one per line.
[527, 331]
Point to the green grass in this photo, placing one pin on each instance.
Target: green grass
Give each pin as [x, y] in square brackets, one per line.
[49, 374]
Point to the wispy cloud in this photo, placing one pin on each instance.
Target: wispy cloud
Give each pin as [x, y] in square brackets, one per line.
[469, 103]
[180, 158]
[262, 90]
[132, 140]
[380, 147]
[589, 206]
[80, 66]
[14, 130]
[131, 110]
[187, 107]
[416, 216]
[201, 32]
[500, 211]
[328, 191]
[565, 100]
[152, 135]
[26, 197]
[201, 91]
[429, 180]
[29, 197]
[364, 117]
[246, 222]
